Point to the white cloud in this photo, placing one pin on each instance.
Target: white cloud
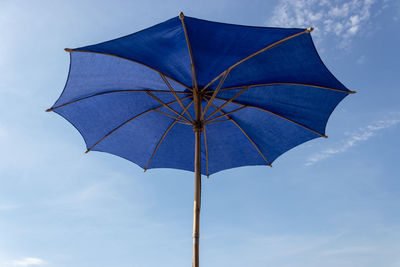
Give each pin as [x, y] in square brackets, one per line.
[26, 262]
[362, 135]
[338, 18]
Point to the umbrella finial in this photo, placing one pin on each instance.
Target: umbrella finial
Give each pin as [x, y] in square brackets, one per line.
[308, 30]
[69, 50]
[181, 16]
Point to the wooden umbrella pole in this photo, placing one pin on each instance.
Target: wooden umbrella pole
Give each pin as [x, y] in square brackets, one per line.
[197, 202]
[198, 128]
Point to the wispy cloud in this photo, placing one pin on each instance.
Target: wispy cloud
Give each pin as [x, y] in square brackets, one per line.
[26, 262]
[362, 135]
[340, 19]
[349, 250]
[334, 248]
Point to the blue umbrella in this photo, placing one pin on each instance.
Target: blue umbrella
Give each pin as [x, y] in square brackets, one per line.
[230, 95]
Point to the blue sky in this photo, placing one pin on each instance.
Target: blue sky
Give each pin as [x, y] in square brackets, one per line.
[329, 202]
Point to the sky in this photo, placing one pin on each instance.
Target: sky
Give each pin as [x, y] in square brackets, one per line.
[329, 202]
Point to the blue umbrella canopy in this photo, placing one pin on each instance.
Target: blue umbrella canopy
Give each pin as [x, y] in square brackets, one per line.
[232, 95]
[127, 96]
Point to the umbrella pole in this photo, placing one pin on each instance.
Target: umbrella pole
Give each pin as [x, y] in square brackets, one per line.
[198, 128]
[197, 201]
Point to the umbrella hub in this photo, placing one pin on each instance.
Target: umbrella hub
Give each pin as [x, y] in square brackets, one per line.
[198, 123]
[198, 126]
[201, 93]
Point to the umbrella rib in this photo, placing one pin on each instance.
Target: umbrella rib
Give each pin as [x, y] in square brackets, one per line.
[110, 92]
[213, 120]
[109, 54]
[297, 84]
[174, 93]
[165, 133]
[173, 117]
[244, 132]
[308, 30]
[215, 93]
[206, 150]
[168, 107]
[119, 126]
[227, 102]
[192, 68]
[275, 114]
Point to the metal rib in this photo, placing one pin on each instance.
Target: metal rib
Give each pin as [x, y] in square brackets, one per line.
[244, 132]
[277, 115]
[256, 53]
[165, 133]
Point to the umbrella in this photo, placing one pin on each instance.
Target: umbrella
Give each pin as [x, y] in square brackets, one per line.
[230, 95]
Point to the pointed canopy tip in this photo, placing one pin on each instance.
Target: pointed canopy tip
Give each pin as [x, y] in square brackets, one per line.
[144, 170]
[69, 50]
[49, 109]
[325, 136]
[308, 30]
[87, 151]
[181, 16]
[352, 92]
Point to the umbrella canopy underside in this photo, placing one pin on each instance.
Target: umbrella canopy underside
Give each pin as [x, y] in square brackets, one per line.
[264, 91]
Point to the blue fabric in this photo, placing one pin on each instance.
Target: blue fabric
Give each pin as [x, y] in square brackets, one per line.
[309, 106]
[289, 102]
[293, 61]
[162, 47]
[217, 46]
